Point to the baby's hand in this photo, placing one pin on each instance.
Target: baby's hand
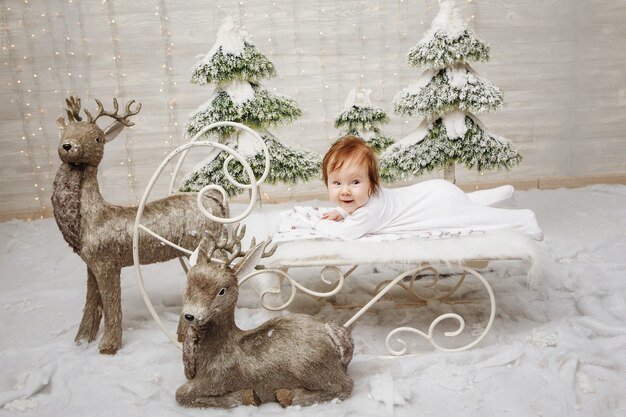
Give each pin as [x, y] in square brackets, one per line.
[333, 215]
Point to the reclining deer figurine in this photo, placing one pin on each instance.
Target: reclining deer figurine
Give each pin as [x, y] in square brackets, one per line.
[294, 359]
[101, 233]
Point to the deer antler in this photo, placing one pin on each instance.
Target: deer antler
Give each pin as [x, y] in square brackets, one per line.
[270, 252]
[122, 118]
[73, 109]
[234, 245]
[229, 245]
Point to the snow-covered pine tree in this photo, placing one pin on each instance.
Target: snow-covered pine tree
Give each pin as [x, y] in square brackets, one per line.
[360, 118]
[236, 67]
[448, 95]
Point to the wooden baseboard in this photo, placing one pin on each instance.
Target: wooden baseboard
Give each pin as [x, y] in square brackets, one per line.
[549, 183]
[25, 215]
[540, 183]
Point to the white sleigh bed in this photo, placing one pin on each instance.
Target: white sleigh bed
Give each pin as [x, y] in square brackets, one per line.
[419, 261]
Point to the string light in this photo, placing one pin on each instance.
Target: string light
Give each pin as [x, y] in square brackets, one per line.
[118, 76]
[171, 130]
[28, 149]
[361, 44]
[471, 19]
[401, 33]
[84, 48]
[324, 100]
[41, 138]
[298, 58]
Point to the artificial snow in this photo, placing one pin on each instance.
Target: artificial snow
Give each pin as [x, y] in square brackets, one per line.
[454, 122]
[248, 144]
[459, 76]
[500, 139]
[230, 37]
[415, 88]
[447, 21]
[204, 107]
[556, 350]
[414, 137]
[239, 91]
[368, 135]
[359, 98]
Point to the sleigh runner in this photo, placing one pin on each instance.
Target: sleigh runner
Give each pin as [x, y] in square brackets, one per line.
[420, 261]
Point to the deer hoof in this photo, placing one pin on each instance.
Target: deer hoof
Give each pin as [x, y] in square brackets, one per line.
[284, 397]
[108, 349]
[111, 344]
[249, 397]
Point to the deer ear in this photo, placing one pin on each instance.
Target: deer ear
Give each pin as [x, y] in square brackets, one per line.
[251, 260]
[199, 256]
[61, 123]
[112, 131]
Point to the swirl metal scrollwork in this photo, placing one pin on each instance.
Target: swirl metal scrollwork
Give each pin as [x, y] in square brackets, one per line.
[461, 323]
[233, 155]
[295, 285]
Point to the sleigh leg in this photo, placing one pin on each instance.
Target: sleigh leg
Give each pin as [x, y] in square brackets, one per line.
[92, 313]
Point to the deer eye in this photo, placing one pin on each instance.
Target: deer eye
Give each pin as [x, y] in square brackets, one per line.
[97, 140]
[222, 291]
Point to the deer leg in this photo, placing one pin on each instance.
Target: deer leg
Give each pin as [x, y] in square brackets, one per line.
[92, 313]
[111, 293]
[195, 393]
[340, 388]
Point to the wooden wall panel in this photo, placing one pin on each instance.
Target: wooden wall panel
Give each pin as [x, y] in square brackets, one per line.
[560, 63]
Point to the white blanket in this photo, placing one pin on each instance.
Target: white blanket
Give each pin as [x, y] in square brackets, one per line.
[298, 223]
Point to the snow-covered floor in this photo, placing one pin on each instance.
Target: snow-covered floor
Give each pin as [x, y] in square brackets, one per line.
[558, 350]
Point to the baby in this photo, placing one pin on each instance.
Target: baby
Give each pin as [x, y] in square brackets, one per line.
[350, 171]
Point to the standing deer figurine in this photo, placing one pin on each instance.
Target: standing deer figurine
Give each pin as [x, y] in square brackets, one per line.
[101, 233]
[294, 359]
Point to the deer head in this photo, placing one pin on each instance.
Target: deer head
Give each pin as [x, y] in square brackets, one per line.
[82, 142]
[212, 284]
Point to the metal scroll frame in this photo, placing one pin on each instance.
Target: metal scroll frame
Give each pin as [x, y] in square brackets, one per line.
[467, 269]
[215, 147]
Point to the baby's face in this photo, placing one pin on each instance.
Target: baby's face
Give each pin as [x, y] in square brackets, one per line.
[349, 186]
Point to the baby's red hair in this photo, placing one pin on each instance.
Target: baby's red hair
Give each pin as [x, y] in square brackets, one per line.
[350, 149]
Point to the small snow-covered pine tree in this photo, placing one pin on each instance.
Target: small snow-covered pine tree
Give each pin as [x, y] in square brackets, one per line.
[236, 67]
[448, 96]
[362, 119]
